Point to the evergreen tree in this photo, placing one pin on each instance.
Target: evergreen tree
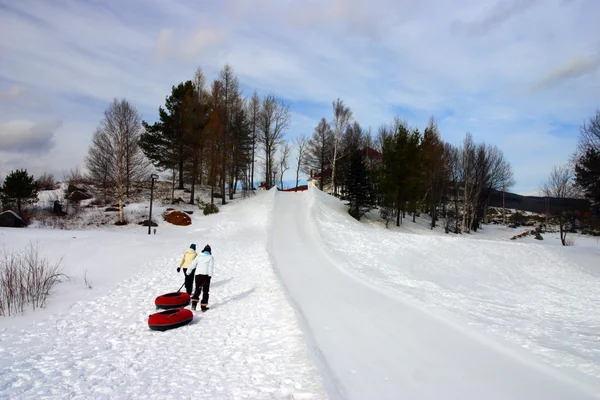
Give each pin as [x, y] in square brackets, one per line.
[415, 183]
[19, 187]
[164, 141]
[359, 190]
[587, 175]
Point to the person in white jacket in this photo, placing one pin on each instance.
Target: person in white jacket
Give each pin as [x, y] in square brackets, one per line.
[202, 266]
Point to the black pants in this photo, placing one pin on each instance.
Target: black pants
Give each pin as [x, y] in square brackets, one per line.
[202, 284]
[189, 282]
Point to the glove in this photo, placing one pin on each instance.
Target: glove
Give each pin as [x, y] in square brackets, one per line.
[178, 269]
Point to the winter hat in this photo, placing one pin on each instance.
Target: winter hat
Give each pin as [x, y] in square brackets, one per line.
[193, 246]
[207, 248]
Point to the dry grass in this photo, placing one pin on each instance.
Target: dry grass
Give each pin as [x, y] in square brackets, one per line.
[26, 280]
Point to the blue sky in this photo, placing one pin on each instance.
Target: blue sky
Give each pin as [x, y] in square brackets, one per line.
[522, 75]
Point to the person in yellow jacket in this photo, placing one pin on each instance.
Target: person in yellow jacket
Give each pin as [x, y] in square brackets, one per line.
[189, 256]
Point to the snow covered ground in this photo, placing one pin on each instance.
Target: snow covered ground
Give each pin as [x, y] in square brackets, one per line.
[96, 344]
[309, 303]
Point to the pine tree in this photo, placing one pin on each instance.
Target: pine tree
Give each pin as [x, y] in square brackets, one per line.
[19, 187]
[359, 190]
[164, 141]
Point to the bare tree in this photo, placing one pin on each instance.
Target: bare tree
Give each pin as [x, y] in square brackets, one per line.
[432, 149]
[301, 146]
[232, 102]
[253, 113]
[319, 150]
[467, 153]
[453, 168]
[283, 161]
[498, 174]
[194, 118]
[341, 118]
[114, 156]
[560, 185]
[274, 119]
[589, 137]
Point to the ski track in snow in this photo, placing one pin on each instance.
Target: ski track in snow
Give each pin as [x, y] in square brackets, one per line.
[525, 293]
[248, 345]
[369, 343]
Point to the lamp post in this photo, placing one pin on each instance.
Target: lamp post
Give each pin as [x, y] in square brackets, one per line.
[153, 177]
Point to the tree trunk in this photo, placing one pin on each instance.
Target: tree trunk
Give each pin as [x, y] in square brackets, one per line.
[121, 214]
[252, 166]
[194, 177]
[173, 186]
[181, 166]
[335, 143]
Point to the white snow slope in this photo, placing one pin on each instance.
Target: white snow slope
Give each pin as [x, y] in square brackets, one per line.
[356, 289]
[248, 346]
[307, 303]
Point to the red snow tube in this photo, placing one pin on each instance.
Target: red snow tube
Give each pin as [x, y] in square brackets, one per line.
[169, 319]
[172, 300]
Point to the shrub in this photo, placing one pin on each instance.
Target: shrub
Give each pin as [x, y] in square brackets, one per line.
[517, 219]
[387, 214]
[211, 209]
[26, 280]
[201, 204]
[46, 182]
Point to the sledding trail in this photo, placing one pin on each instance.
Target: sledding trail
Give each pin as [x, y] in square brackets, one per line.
[372, 345]
[248, 345]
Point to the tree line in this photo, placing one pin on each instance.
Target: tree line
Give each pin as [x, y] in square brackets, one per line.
[400, 170]
[205, 135]
[578, 178]
[210, 134]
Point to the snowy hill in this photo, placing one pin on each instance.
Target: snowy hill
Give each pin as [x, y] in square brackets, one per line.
[308, 303]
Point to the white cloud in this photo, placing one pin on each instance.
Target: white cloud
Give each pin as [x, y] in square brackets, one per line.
[164, 44]
[27, 137]
[569, 70]
[380, 57]
[202, 40]
[500, 13]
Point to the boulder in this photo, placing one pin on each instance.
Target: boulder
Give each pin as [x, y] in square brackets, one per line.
[78, 195]
[57, 209]
[145, 223]
[72, 188]
[177, 218]
[10, 219]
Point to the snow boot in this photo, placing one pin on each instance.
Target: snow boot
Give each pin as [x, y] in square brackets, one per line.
[194, 305]
[204, 308]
